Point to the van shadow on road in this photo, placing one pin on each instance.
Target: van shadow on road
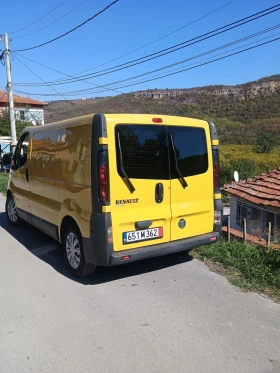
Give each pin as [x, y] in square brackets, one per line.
[48, 250]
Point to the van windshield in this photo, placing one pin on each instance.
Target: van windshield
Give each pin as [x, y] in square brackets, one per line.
[145, 151]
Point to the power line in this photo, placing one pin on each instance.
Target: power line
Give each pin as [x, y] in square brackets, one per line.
[203, 54]
[203, 64]
[183, 70]
[58, 19]
[68, 32]
[107, 86]
[23, 28]
[71, 103]
[160, 38]
[59, 72]
[165, 51]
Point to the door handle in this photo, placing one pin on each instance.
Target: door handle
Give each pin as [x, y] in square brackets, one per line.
[143, 224]
[27, 175]
[159, 193]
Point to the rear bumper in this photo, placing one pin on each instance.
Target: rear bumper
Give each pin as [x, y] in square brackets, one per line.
[162, 249]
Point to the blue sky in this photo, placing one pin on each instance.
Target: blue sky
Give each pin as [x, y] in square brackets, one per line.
[126, 26]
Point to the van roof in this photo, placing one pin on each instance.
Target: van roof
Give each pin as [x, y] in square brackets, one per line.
[87, 119]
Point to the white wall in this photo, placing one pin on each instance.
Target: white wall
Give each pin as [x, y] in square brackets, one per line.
[30, 115]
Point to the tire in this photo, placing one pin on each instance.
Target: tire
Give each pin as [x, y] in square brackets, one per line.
[11, 212]
[73, 253]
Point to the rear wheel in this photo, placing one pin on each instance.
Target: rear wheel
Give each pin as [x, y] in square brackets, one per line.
[11, 212]
[73, 253]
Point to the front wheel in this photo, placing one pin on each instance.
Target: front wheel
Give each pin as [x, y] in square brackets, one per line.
[73, 253]
[11, 212]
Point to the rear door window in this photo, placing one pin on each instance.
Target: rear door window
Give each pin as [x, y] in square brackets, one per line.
[191, 150]
[144, 150]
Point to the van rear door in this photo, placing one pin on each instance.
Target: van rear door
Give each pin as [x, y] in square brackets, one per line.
[139, 182]
[192, 190]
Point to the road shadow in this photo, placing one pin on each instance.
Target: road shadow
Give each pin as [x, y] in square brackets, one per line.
[48, 250]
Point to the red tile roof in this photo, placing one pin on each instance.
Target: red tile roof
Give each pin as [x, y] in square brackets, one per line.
[261, 190]
[20, 100]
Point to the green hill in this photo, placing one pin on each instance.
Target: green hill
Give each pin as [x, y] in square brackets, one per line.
[239, 111]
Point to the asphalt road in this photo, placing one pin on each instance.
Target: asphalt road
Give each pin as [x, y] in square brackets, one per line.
[168, 314]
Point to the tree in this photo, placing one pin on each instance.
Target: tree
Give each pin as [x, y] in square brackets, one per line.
[5, 128]
[265, 142]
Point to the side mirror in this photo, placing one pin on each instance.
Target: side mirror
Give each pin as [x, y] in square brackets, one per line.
[7, 159]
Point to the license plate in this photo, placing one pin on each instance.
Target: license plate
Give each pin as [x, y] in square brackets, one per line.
[143, 235]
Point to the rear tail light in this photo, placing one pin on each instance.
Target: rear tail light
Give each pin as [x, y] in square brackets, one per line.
[217, 217]
[216, 169]
[103, 176]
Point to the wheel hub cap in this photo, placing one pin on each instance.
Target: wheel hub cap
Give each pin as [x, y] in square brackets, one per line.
[12, 213]
[73, 250]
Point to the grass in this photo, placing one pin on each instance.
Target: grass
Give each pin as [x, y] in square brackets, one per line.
[3, 182]
[247, 266]
[240, 152]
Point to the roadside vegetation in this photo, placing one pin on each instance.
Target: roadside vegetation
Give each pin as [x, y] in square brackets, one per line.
[3, 182]
[247, 266]
[245, 160]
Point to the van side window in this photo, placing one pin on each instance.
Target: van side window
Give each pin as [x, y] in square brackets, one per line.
[44, 150]
[191, 150]
[21, 151]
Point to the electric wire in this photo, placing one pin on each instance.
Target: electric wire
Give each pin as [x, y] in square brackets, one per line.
[186, 69]
[51, 23]
[206, 63]
[203, 54]
[25, 27]
[71, 103]
[108, 86]
[59, 72]
[72, 30]
[160, 38]
[164, 51]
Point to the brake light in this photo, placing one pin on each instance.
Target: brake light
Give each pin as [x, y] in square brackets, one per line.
[103, 177]
[216, 169]
[157, 120]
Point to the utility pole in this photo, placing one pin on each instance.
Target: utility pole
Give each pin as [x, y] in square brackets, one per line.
[10, 90]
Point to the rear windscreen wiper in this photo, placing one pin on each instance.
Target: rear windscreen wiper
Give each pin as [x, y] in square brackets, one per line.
[121, 169]
[177, 170]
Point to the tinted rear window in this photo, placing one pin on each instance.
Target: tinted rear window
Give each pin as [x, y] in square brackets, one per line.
[191, 150]
[146, 148]
[144, 151]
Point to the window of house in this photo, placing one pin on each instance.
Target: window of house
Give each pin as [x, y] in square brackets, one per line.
[241, 213]
[22, 114]
[238, 213]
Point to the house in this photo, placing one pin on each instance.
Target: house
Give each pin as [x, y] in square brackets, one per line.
[258, 201]
[26, 109]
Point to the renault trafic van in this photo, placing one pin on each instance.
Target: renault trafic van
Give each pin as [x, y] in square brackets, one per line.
[118, 188]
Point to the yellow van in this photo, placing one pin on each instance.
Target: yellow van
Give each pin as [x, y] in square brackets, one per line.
[118, 188]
